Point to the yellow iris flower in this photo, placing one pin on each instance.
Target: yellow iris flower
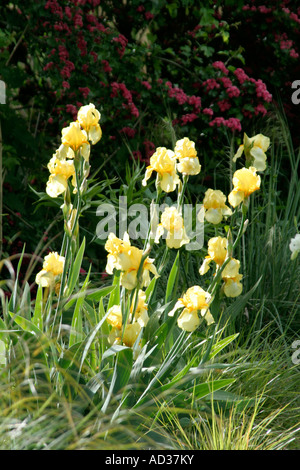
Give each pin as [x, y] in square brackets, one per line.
[60, 172]
[133, 328]
[73, 136]
[172, 222]
[231, 277]
[217, 252]
[88, 117]
[194, 301]
[245, 182]
[163, 161]
[53, 266]
[187, 155]
[215, 207]
[254, 149]
[127, 258]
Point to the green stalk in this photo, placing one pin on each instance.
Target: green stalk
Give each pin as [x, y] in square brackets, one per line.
[67, 243]
[1, 196]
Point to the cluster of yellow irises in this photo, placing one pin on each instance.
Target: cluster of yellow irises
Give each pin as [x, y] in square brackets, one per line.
[75, 144]
[133, 263]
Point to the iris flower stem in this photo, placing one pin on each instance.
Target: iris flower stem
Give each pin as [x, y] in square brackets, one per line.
[181, 194]
[67, 246]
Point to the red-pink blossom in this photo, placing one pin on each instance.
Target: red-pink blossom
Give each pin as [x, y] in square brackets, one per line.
[208, 111]
[129, 131]
[107, 68]
[241, 75]
[146, 84]
[85, 91]
[220, 66]
[188, 118]
[210, 84]
[260, 109]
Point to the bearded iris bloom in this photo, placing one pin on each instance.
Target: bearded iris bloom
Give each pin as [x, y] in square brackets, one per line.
[254, 149]
[217, 252]
[231, 277]
[215, 207]
[60, 172]
[53, 266]
[163, 162]
[127, 258]
[245, 182]
[195, 301]
[172, 222]
[73, 136]
[88, 117]
[134, 325]
[186, 154]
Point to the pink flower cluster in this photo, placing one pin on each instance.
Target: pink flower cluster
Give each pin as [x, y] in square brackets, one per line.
[106, 67]
[262, 92]
[208, 111]
[55, 8]
[287, 44]
[211, 84]
[220, 66]
[123, 41]
[127, 95]
[70, 108]
[67, 69]
[129, 131]
[241, 75]
[291, 14]
[146, 84]
[188, 118]
[261, 8]
[182, 98]
[224, 105]
[232, 123]
[231, 90]
[85, 91]
[82, 44]
[260, 109]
